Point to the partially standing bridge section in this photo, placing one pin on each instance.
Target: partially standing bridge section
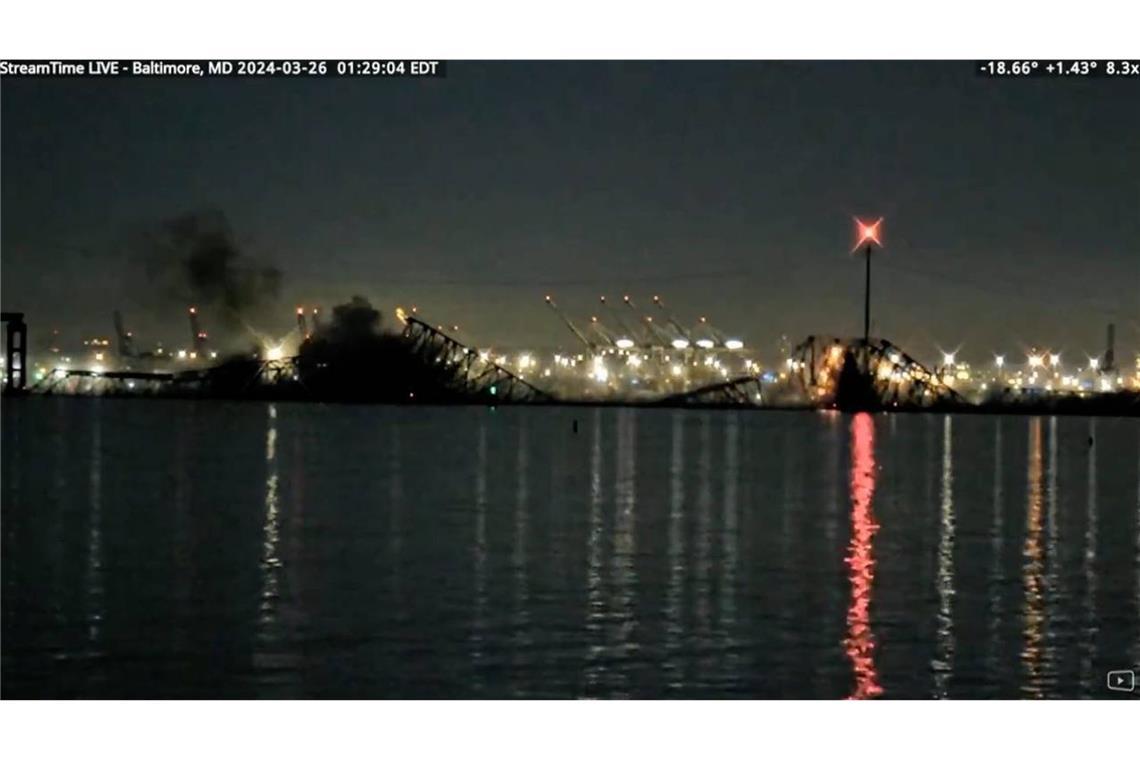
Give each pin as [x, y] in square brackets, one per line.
[471, 374]
[869, 373]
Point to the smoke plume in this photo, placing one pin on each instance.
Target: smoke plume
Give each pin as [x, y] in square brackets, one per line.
[353, 358]
[353, 321]
[195, 259]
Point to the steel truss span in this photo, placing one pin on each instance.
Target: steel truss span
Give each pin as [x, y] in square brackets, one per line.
[83, 382]
[471, 374]
[741, 391]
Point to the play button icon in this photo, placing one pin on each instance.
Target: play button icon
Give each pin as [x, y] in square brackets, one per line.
[1121, 680]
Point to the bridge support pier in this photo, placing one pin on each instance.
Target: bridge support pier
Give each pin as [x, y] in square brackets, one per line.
[15, 352]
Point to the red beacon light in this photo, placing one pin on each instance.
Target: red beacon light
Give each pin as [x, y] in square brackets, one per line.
[868, 233]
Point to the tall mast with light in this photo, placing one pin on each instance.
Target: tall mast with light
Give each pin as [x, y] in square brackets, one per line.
[868, 232]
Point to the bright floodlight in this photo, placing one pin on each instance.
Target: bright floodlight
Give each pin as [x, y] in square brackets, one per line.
[600, 373]
[680, 343]
[1055, 360]
[948, 359]
[705, 343]
[732, 344]
[623, 343]
[1034, 360]
[274, 353]
[867, 232]
[1093, 362]
[999, 360]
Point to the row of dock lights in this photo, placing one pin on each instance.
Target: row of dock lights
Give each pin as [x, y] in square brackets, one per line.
[1033, 360]
[732, 344]
[1050, 360]
[612, 366]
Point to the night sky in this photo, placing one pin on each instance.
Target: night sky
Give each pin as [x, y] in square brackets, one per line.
[1012, 208]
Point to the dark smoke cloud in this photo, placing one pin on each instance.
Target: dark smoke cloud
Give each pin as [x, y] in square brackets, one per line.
[352, 358]
[195, 259]
[352, 321]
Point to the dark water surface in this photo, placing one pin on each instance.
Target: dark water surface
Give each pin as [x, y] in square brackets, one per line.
[181, 549]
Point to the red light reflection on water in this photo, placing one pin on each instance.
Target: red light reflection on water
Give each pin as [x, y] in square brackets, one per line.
[860, 642]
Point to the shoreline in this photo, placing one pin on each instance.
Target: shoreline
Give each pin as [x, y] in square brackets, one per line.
[1117, 405]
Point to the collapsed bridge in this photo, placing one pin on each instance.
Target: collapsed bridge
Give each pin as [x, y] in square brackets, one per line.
[866, 373]
[471, 374]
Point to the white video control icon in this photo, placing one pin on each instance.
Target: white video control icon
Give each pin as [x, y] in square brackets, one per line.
[1121, 680]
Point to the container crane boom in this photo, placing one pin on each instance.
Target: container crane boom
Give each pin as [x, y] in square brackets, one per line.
[577, 333]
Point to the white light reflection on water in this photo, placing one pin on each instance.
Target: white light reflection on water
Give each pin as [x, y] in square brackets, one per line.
[479, 550]
[1054, 589]
[702, 585]
[1089, 678]
[59, 491]
[95, 581]
[621, 642]
[270, 561]
[943, 664]
[183, 545]
[997, 576]
[1033, 581]
[267, 657]
[520, 618]
[791, 502]
[833, 472]
[276, 662]
[729, 541]
[674, 596]
[395, 509]
[595, 602]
